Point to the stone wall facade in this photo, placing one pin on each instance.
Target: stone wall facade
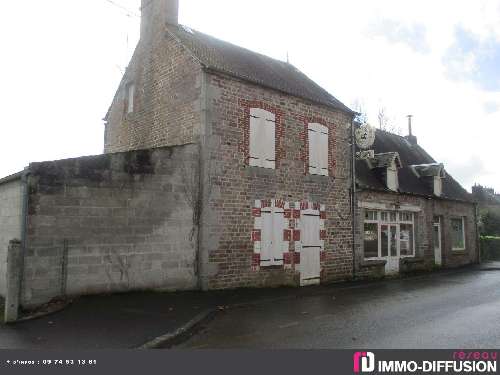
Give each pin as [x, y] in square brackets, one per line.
[167, 83]
[11, 198]
[424, 241]
[110, 223]
[235, 191]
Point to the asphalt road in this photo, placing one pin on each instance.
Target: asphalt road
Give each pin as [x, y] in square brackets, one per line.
[447, 310]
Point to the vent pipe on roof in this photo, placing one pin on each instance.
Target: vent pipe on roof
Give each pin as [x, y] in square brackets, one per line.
[155, 14]
[410, 137]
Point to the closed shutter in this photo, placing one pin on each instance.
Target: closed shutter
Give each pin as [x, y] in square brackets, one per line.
[262, 138]
[318, 149]
[266, 239]
[310, 231]
[277, 246]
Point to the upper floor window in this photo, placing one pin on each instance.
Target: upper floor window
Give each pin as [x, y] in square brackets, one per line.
[392, 178]
[318, 149]
[130, 97]
[438, 186]
[262, 138]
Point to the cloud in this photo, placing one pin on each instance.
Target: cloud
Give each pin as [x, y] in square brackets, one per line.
[491, 107]
[475, 59]
[412, 35]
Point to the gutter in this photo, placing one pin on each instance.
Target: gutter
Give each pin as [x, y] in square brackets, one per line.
[353, 197]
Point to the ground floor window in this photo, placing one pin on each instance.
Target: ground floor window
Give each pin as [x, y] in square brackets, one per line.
[388, 233]
[458, 234]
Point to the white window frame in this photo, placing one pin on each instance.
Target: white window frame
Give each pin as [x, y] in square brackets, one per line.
[392, 178]
[438, 186]
[384, 218]
[262, 142]
[463, 234]
[318, 138]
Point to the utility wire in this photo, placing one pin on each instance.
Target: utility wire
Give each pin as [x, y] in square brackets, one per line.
[127, 11]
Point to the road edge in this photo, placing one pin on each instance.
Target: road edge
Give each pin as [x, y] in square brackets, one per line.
[169, 339]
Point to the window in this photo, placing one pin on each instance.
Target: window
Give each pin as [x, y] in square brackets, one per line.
[391, 235]
[371, 215]
[458, 234]
[438, 186]
[273, 225]
[130, 97]
[406, 239]
[262, 138]
[371, 240]
[318, 149]
[392, 179]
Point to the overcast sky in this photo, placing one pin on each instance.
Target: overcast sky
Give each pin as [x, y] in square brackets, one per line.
[62, 61]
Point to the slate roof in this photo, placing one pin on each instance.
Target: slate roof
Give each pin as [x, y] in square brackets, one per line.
[242, 63]
[409, 183]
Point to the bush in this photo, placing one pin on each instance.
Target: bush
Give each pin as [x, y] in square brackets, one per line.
[490, 248]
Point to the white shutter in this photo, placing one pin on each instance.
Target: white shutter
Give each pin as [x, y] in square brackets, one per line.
[310, 229]
[266, 239]
[313, 150]
[262, 138]
[318, 149]
[277, 245]
[323, 151]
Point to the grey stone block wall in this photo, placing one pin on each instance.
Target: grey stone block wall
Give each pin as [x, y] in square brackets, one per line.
[111, 223]
[10, 223]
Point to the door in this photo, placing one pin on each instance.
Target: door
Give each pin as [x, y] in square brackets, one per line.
[438, 258]
[310, 267]
[390, 250]
[273, 224]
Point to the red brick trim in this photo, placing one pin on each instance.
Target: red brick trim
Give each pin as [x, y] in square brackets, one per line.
[256, 212]
[296, 235]
[332, 143]
[245, 126]
[256, 260]
[287, 235]
[287, 258]
[256, 235]
[296, 258]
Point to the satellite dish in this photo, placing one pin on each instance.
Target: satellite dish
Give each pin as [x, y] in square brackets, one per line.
[365, 136]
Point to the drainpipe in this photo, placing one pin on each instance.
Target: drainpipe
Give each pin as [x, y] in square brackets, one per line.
[478, 242]
[353, 197]
[24, 228]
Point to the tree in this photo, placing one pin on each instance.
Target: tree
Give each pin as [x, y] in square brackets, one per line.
[385, 122]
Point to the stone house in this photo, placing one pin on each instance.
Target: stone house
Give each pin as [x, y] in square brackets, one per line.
[224, 168]
[411, 214]
[274, 153]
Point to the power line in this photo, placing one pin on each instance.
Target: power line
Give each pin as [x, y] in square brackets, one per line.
[127, 11]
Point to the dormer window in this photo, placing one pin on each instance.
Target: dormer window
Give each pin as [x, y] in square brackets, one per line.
[392, 178]
[433, 174]
[438, 186]
[387, 165]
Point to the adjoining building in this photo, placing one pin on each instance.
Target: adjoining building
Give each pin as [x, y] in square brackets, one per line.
[411, 214]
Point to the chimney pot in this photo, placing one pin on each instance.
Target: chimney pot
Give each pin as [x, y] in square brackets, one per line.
[410, 137]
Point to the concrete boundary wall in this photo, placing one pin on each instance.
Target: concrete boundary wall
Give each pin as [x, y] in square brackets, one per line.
[111, 223]
[11, 197]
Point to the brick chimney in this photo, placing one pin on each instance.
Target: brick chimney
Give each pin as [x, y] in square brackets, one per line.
[155, 14]
[410, 137]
